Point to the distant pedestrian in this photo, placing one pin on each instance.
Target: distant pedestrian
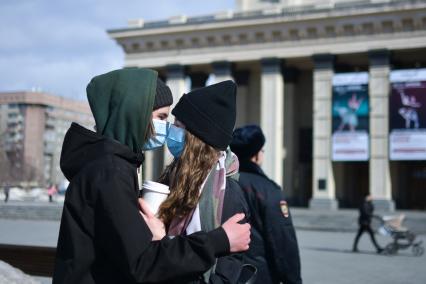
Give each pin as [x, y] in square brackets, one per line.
[6, 193]
[51, 191]
[366, 211]
[273, 248]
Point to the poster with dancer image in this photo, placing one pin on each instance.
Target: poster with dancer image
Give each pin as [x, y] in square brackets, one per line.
[407, 115]
[350, 117]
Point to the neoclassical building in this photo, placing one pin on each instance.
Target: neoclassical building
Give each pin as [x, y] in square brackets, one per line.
[284, 56]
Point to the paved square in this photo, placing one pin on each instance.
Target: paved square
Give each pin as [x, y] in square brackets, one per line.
[326, 256]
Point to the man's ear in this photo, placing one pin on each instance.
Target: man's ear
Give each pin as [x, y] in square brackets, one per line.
[255, 158]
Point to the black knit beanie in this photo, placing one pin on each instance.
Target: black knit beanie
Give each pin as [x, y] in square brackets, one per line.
[247, 141]
[163, 95]
[209, 113]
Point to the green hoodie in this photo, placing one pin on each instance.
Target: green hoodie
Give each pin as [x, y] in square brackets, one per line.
[121, 102]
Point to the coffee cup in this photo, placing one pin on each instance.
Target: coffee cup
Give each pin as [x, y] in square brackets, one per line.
[154, 194]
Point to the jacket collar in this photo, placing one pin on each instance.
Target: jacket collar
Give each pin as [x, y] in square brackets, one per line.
[248, 166]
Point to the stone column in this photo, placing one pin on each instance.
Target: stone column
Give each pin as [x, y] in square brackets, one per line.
[176, 83]
[290, 77]
[198, 79]
[242, 79]
[323, 186]
[380, 181]
[271, 117]
[148, 167]
[222, 71]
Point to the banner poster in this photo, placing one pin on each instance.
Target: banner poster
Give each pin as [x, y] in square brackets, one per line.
[407, 115]
[350, 137]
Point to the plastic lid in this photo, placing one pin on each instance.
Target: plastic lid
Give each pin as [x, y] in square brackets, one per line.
[155, 186]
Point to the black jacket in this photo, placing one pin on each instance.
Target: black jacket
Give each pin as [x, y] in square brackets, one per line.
[366, 213]
[273, 248]
[228, 268]
[103, 238]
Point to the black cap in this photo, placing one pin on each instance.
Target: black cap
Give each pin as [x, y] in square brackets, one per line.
[163, 95]
[210, 113]
[247, 141]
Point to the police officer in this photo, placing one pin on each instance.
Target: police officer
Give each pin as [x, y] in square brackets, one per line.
[273, 248]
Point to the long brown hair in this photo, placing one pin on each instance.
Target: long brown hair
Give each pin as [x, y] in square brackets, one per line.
[185, 176]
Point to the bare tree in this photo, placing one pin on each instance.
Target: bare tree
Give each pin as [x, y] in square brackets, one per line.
[13, 168]
[5, 172]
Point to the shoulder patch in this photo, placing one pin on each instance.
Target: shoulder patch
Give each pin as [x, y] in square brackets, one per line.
[284, 208]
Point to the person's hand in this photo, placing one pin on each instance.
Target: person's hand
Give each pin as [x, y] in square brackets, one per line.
[155, 225]
[238, 234]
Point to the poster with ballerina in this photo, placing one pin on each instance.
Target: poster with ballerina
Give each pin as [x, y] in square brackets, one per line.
[350, 121]
[407, 115]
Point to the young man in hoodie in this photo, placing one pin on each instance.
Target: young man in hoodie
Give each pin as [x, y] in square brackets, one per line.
[274, 249]
[103, 238]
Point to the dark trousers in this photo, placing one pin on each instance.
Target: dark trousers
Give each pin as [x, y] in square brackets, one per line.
[361, 230]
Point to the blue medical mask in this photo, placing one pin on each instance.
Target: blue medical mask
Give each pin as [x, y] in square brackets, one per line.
[161, 129]
[176, 140]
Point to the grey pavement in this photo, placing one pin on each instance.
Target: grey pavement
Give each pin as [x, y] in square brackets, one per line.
[343, 220]
[326, 256]
[33, 210]
[346, 220]
[29, 232]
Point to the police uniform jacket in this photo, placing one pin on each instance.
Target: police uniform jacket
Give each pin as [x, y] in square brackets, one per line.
[273, 248]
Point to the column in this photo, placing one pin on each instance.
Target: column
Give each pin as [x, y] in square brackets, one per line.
[176, 83]
[289, 134]
[380, 182]
[198, 79]
[222, 71]
[147, 168]
[271, 117]
[323, 186]
[242, 79]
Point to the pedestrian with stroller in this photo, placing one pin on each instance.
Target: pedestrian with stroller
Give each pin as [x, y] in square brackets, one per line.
[274, 249]
[204, 192]
[366, 213]
[106, 235]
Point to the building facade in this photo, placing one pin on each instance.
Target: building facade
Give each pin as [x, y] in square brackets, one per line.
[32, 127]
[284, 56]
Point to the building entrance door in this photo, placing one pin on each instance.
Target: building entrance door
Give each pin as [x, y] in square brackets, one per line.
[352, 182]
[410, 185]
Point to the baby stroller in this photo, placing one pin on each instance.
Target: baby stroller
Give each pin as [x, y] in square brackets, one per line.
[402, 237]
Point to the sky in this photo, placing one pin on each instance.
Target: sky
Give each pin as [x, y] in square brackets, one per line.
[57, 46]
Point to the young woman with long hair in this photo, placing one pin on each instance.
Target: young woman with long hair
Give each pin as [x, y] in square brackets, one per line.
[203, 191]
